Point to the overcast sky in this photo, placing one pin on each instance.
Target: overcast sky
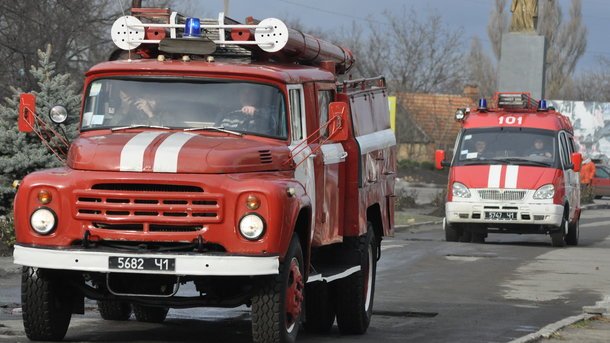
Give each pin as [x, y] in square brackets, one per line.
[470, 15]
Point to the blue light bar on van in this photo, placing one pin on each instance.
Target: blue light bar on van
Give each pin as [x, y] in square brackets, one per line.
[482, 104]
[192, 28]
[543, 106]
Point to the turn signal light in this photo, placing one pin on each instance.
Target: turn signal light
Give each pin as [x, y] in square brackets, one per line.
[44, 197]
[253, 202]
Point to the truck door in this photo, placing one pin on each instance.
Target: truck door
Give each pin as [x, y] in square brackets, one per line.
[328, 181]
[298, 133]
[571, 183]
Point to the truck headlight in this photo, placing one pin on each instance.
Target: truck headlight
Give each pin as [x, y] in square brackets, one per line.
[252, 227]
[545, 192]
[460, 191]
[43, 221]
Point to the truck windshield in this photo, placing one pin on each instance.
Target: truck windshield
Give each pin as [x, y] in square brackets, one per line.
[243, 107]
[503, 145]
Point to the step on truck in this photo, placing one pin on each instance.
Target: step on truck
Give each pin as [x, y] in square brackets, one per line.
[218, 164]
[514, 170]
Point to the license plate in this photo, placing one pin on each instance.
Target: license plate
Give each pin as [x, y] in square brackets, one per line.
[141, 263]
[501, 215]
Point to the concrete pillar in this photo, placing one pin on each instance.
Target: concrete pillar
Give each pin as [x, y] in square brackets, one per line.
[522, 64]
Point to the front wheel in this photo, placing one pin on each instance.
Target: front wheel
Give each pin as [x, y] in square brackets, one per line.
[558, 238]
[355, 293]
[277, 305]
[46, 304]
[573, 233]
[452, 234]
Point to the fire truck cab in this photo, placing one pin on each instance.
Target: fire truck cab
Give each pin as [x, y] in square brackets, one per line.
[514, 170]
[215, 154]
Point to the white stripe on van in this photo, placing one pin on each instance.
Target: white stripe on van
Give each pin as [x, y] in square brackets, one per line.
[166, 156]
[376, 141]
[493, 180]
[512, 172]
[132, 155]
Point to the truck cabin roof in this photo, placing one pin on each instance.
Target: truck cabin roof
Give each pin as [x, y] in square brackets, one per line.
[547, 120]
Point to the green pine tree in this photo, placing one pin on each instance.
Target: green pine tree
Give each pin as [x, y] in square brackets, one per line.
[22, 153]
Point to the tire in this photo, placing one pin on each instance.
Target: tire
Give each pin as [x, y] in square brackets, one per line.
[573, 233]
[319, 308]
[278, 303]
[46, 304]
[452, 234]
[558, 238]
[478, 237]
[114, 310]
[150, 314]
[356, 292]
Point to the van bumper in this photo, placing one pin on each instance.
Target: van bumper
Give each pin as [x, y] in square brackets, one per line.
[527, 214]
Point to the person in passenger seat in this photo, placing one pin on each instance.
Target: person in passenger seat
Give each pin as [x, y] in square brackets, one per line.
[539, 149]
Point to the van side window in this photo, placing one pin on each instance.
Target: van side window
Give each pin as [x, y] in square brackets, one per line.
[564, 150]
[296, 117]
[324, 98]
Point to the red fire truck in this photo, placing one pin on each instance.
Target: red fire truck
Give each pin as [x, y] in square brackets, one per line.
[224, 158]
[514, 170]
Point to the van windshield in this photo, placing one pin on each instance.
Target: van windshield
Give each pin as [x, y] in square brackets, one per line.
[501, 145]
[185, 104]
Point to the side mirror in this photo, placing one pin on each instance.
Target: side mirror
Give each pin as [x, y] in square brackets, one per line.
[27, 112]
[576, 161]
[58, 114]
[439, 159]
[338, 116]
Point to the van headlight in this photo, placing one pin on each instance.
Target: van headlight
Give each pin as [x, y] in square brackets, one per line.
[545, 192]
[460, 191]
[43, 221]
[252, 226]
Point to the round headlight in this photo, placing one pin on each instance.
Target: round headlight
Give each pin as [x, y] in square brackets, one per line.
[252, 227]
[43, 221]
[58, 114]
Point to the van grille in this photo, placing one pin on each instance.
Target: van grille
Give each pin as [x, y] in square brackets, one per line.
[501, 195]
[148, 207]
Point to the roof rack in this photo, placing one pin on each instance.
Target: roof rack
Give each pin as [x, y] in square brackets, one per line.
[515, 100]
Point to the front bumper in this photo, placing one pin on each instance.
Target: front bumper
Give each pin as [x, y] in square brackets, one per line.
[186, 264]
[532, 214]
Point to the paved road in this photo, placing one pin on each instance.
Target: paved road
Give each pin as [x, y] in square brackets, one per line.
[428, 290]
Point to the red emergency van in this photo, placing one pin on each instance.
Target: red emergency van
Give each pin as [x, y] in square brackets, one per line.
[514, 170]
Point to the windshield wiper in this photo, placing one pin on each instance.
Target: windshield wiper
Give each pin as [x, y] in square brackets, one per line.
[483, 161]
[215, 128]
[137, 126]
[528, 161]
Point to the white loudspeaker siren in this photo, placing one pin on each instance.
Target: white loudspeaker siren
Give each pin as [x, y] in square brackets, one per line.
[125, 30]
[271, 35]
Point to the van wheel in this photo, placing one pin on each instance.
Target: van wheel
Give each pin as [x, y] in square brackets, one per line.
[573, 233]
[466, 236]
[319, 307]
[276, 307]
[46, 304]
[150, 314]
[355, 293]
[114, 310]
[558, 238]
[478, 237]
[452, 234]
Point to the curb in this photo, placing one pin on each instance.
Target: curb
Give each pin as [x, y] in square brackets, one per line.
[550, 329]
[596, 207]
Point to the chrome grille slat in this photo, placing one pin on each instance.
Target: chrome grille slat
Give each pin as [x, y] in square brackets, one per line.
[501, 195]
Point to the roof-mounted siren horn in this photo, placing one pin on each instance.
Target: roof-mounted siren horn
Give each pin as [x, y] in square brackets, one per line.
[128, 33]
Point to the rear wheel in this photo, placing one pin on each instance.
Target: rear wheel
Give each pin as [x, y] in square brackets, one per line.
[355, 293]
[478, 237]
[150, 314]
[114, 310]
[276, 308]
[466, 236]
[320, 307]
[46, 304]
[573, 233]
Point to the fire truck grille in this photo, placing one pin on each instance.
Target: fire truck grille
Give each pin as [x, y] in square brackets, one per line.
[494, 194]
[142, 207]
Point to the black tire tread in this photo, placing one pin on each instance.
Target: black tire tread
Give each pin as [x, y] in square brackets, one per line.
[149, 314]
[320, 308]
[43, 320]
[114, 310]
